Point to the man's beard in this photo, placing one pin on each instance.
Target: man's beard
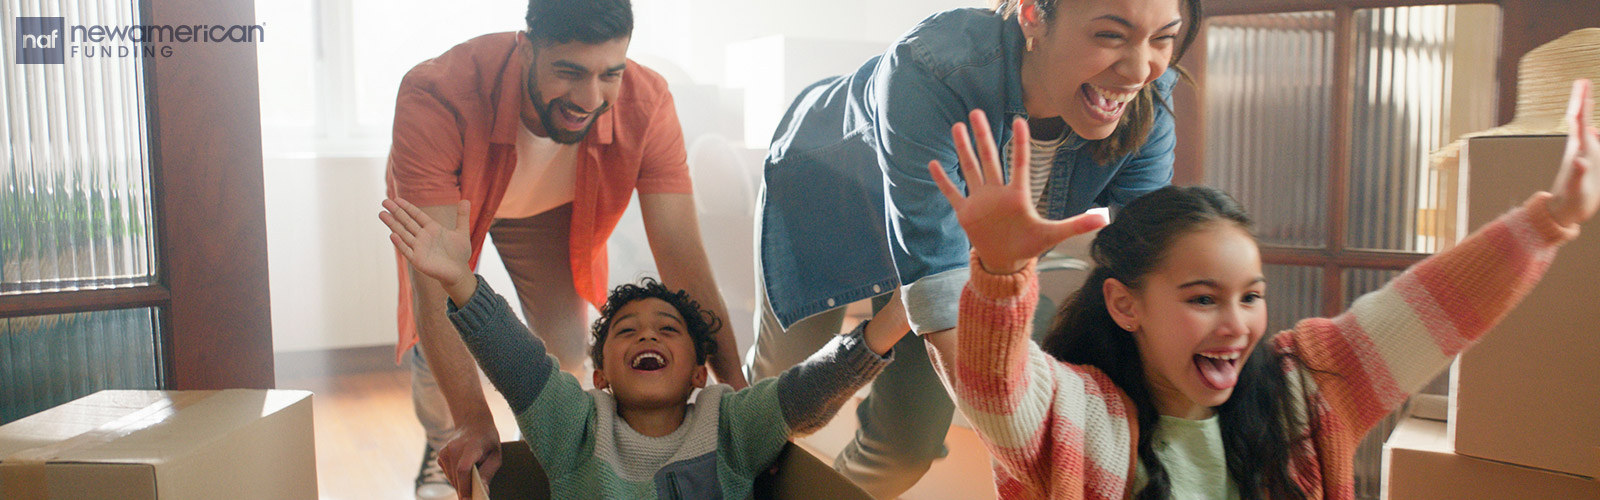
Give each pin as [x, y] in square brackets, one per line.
[558, 134]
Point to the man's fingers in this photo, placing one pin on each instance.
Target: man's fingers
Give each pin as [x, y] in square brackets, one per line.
[489, 467]
[461, 477]
[951, 194]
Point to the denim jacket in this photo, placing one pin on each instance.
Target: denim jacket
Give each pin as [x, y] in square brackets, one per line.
[848, 209]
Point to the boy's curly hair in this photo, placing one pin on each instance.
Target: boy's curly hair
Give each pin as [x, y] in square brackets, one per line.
[701, 323]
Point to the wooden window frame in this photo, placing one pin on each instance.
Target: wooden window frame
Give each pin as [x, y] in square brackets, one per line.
[1525, 25]
[204, 130]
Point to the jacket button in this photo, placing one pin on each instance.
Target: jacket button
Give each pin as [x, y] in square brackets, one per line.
[830, 302]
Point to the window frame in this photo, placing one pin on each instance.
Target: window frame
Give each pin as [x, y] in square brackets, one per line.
[1525, 25]
[215, 323]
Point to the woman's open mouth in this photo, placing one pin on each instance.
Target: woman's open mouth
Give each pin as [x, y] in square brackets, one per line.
[1103, 104]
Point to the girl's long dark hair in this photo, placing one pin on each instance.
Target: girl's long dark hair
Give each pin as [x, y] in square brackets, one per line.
[1258, 427]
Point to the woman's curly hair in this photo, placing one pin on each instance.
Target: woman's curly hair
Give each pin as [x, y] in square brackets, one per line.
[702, 324]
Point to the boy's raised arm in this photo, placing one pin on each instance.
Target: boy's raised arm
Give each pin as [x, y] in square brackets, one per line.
[551, 408]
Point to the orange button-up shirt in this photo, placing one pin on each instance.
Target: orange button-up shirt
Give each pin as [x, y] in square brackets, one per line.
[455, 133]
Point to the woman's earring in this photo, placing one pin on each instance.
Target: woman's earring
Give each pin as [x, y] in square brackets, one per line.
[1030, 44]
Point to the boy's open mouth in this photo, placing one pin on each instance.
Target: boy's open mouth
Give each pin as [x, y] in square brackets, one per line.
[648, 361]
[1219, 370]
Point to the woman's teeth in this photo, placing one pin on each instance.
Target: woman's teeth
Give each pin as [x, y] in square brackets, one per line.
[1224, 357]
[1106, 105]
[1112, 95]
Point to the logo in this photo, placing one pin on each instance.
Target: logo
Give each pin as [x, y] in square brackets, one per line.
[40, 40]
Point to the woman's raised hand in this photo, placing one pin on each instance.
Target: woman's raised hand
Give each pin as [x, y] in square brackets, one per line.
[1577, 186]
[435, 251]
[1004, 229]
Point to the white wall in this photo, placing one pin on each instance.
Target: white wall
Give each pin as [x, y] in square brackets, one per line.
[733, 66]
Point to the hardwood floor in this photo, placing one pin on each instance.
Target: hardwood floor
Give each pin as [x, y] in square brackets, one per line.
[369, 443]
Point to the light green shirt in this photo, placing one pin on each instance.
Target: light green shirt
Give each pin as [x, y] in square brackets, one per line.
[1192, 452]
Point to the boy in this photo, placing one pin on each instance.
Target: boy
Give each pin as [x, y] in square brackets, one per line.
[642, 439]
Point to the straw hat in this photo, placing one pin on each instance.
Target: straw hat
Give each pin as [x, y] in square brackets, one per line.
[1544, 84]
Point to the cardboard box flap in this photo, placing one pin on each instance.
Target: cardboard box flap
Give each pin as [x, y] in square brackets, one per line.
[74, 418]
[164, 445]
[143, 427]
[198, 426]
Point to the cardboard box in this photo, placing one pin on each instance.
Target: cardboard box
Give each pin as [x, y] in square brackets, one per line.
[1418, 463]
[798, 475]
[1529, 392]
[148, 445]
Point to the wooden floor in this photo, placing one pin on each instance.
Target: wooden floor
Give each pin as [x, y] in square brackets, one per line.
[369, 442]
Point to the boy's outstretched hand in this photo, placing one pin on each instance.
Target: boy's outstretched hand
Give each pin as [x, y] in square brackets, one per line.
[1577, 186]
[1001, 223]
[430, 248]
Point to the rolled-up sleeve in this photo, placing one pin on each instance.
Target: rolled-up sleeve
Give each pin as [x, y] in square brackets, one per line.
[932, 302]
[426, 150]
[912, 121]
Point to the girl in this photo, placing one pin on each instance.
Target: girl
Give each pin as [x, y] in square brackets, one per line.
[848, 211]
[1155, 376]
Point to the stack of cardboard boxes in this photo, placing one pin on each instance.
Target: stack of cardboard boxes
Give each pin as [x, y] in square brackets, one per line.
[1523, 417]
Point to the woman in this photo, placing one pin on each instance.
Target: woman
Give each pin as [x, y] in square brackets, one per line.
[1156, 370]
[849, 211]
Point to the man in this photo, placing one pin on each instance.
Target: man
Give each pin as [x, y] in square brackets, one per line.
[549, 133]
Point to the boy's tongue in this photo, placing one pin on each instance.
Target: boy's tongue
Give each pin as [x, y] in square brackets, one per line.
[1217, 374]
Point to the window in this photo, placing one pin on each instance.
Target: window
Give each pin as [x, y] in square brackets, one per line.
[132, 250]
[75, 215]
[328, 84]
[1321, 121]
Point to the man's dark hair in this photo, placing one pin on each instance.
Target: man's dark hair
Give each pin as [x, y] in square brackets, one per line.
[701, 323]
[554, 22]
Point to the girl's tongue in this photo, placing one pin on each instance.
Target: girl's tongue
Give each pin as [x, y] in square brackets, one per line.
[1216, 373]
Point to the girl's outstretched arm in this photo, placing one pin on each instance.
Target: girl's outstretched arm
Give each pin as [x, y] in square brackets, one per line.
[1369, 359]
[1048, 424]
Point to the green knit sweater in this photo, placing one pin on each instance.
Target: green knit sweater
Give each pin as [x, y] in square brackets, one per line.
[727, 438]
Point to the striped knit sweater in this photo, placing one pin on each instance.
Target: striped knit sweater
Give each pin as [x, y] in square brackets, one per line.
[1063, 431]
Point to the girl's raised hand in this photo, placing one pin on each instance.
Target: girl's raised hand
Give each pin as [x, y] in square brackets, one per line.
[1577, 186]
[1001, 223]
[435, 251]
